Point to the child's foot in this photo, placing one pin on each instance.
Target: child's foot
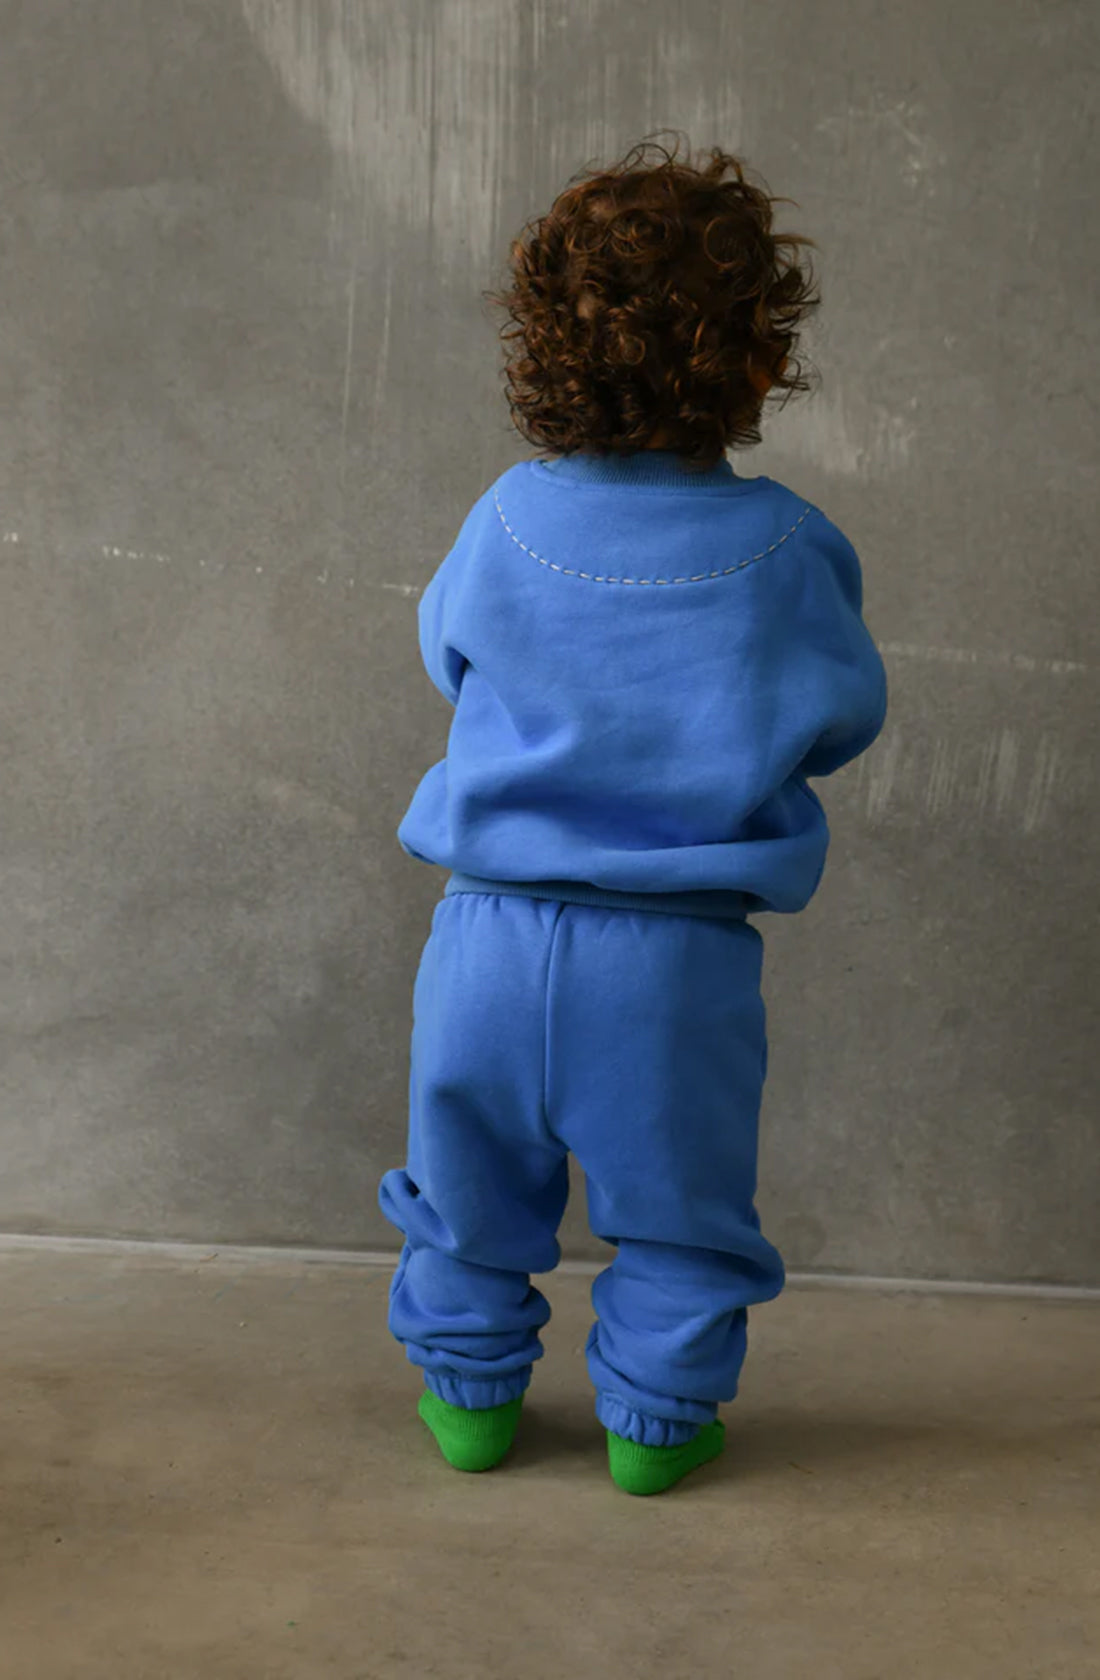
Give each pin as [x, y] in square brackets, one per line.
[643, 1470]
[470, 1439]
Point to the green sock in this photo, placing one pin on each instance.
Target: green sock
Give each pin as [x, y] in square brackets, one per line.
[470, 1439]
[643, 1470]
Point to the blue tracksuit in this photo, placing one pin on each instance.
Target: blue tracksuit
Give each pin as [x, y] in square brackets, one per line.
[646, 664]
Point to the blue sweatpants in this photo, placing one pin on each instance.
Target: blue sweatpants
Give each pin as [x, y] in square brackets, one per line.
[634, 1039]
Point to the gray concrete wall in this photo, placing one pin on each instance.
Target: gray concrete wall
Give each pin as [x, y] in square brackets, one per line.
[249, 390]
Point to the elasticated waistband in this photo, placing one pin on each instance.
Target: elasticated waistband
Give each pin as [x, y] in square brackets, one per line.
[725, 906]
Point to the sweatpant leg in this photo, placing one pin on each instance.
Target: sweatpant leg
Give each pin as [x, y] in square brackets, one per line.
[656, 1056]
[484, 1188]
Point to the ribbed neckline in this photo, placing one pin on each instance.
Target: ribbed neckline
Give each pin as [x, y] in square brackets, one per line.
[648, 466]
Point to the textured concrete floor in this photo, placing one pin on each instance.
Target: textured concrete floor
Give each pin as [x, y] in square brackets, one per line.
[213, 1468]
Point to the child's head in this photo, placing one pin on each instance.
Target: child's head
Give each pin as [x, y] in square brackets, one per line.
[653, 307]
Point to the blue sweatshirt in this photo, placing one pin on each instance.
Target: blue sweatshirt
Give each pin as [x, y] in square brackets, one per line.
[646, 664]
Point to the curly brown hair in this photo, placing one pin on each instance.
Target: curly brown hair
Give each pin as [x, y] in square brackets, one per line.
[653, 306]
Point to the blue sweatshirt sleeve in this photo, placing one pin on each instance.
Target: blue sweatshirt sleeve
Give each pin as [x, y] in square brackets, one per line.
[855, 710]
[443, 663]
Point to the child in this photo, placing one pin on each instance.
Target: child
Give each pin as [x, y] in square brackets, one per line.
[648, 657]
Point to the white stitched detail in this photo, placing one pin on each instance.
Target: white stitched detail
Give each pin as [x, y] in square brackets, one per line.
[700, 577]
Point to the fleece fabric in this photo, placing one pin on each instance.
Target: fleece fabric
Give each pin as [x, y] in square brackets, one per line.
[648, 665]
[637, 1042]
